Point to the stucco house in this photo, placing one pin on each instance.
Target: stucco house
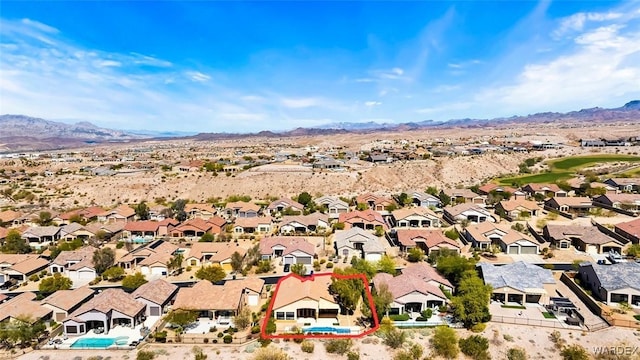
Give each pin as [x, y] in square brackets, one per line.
[415, 217]
[279, 205]
[615, 283]
[548, 190]
[292, 250]
[630, 230]
[40, 237]
[250, 225]
[359, 243]
[624, 184]
[156, 295]
[122, 213]
[577, 206]
[110, 308]
[366, 219]
[467, 212]
[305, 300]
[241, 209]
[458, 196]
[519, 282]
[75, 231]
[423, 199]
[333, 205]
[24, 306]
[64, 302]
[20, 266]
[629, 202]
[77, 265]
[517, 208]
[410, 293]
[510, 241]
[584, 238]
[200, 211]
[427, 240]
[304, 223]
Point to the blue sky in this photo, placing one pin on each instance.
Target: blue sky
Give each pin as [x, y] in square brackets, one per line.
[247, 66]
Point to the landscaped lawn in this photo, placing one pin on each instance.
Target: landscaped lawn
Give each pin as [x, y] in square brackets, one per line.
[637, 317]
[548, 315]
[513, 307]
[564, 168]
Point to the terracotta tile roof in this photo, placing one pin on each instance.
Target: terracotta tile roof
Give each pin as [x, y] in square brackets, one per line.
[202, 207]
[206, 296]
[306, 220]
[142, 226]
[242, 206]
[198, 249]
[217, 221]
[368, 215]
[40, 231]
[156, 291]
[225, 254]
[514, 204]
[405, 284]
[625, 181]
[194, 224]
[3, 232]
[465, 193]
[588, 234]
[83, 256]
[460, 208]
[13, 259]
[292, 289]
[9, 216]
[426, 272]
[409, 237]
[630, 227]
[23, 305]
[111, 299]
[70, 229]
[123, 210]
[91, 212]
[68, 299]
[30, 265]
[408, 211]
[290, 243]
[623, 198]
[543, 187]
[572, 201]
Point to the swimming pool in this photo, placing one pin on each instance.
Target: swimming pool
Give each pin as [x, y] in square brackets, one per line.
[326, 330]
[98, 343]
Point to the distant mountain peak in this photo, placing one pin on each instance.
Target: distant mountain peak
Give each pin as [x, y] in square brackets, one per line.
[633, 104]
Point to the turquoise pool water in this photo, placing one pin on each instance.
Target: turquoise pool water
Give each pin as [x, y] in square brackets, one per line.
[326, 329]
[100, 343]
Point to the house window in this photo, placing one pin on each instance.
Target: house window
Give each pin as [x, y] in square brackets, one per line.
[564, 245]
[290, 316]
[72, 329]
[280, 315]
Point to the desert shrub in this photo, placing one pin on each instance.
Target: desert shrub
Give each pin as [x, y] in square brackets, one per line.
[507, 337]
[34, 277]
[574, 352]
[399, 317]
[228, 339]
[516, 354]
[445, 342]
[352, 355]
[255, 329]
[414, 352]
[270, 353]
[145, 355]
[220, 335]
[476, 347]
[329, 265]
[338, 346]
[556, 339]
[307, 346]
[478, 328]
[395, 338]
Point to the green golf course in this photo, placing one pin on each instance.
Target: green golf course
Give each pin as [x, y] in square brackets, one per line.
[565, 168]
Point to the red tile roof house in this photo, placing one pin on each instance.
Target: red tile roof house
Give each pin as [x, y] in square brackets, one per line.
[305, 301]
[428, 273]
[122, 213]
[64, 302]
[334, 206]
[367, 219]
[279, 205]
[250, 225]
[516, 208]
[410, 293]
[467, 211]
[415, 217]
[192, 228]
[487, 189]
[359, 243]
[20, 266]
[86, 214]
[148, 230]
[629, 202]
[630, 230]
[304, 223]
[584, 238]
[200, 211]
[156, 295]
[219, 302]
[3, 234]
[77, 265]
[40, 237]
[292, 250]
[427, 240]
[108, 309]
[8, 217]
[464, 195]
[155, 251]
[74, 231]
[24, 306]
[576, 206]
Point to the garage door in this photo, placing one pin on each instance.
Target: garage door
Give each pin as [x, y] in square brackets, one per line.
[252, 299]
[513, 249]
[288, 260]
[154, 311]
[373, 257]
[528, 250]
[86, 275]
[305, 260]
[158, 271]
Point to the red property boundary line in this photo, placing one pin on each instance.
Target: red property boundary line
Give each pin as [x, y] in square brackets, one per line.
[376, 322]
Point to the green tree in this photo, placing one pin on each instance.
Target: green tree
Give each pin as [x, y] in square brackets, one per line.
[176, 262]
[243, 319]
[264, 266]
[178, 209]
[452, 234]
[634, 250]
[349, 291]
[476, 347]
[387, 265]
[452, 265]
[103, 259]
[363, 266]
[403, 199]
[142, 211]
[445, 342]
[237, 261]
[299, 269]
[415, 254]
[182, 318]
[44, 218]
[132, 282]
[574, 352]
[113, 273]
[207, 237]
[394, 338]
[471, 303]
[21, 331]
[15, 244]
[382, 299]
[51, 284]
[213, 273]
[77, 218]
[445, 199]
[304, 198]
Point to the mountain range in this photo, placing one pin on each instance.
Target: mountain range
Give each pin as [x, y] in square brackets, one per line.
[20, 132]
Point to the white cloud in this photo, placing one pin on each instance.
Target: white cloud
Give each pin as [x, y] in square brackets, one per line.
[108, 63]
[577, 22]
[197, 76]
[146, 60]
[395, 73]
[372, 103]
[40, 26]
[299, 103]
